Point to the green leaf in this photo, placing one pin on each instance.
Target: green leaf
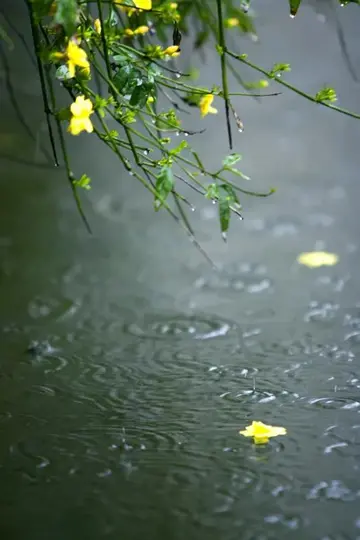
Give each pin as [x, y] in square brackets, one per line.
[164, 185]
[294, 6]
[140, 95]
[278, 69]
[231, 160]
[326, 94]
[121, 77]
[212, 192]
[41, 8]
[83, 182]
[179, 148]
[66, 15]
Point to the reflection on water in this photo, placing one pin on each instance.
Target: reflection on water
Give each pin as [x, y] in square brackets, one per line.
[128, 366]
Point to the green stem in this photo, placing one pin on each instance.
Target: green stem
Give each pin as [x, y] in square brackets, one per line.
[36, 42]
[291, 87]
[222, 48]
[103, 40]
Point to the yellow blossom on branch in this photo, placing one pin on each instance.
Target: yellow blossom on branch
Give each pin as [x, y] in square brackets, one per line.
[262, 432]
[315, 259]
[97, 26]
[75, 56]
[173, 51]
[143, 4]
[141, 30]
[139, 4]
[80, 121]
[205, 105]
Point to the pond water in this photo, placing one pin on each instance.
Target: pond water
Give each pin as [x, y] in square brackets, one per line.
[128, 366]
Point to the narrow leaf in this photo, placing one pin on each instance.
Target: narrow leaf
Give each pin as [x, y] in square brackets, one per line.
[66, 15]
[294, 6]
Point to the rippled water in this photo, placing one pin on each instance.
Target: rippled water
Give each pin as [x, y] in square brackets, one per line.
[128, 366]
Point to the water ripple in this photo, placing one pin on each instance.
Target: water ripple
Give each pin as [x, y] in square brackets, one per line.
[180, 327]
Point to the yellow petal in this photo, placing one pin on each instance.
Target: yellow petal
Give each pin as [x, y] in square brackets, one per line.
[97, 26]
[173, 50]
[141, 30]
[143, 4]
[71, 68]
[315, 259]
[128, 32]
[205, 105]
[261, 440]
[262, 432]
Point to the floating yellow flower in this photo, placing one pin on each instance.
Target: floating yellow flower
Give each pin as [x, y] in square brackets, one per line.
[139, 30]
[75, 56]
[80, 121]
[205, 105]
[97, 26]
[315, 259]
[173, 50]
[262, 432]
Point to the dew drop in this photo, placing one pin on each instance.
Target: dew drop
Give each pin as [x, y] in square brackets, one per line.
[224, 236]
[193, 208]
[153, 121]
[213, 201]
[292, 15]
[146, 152]
[131, 173]
[178, 75]
[186, 133]
[177, 133]
[240, 130]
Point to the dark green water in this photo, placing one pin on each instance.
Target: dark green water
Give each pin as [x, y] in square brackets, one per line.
[126, 425]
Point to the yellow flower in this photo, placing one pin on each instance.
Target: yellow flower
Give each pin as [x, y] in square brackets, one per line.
[262, 432]
[173, 50]
[143, 4]
[233, 21]
[81, 110]
[315, 259]
[205, 105]
[97, 26]
[140, 4]
[173, 5]
[76, 56]
[139, 30]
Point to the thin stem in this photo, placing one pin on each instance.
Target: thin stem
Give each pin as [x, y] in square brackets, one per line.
[222, 48]
[103, 40]
[291, 87]
[36, 42]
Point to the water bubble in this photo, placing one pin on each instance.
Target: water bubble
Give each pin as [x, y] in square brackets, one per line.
[178, 75]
